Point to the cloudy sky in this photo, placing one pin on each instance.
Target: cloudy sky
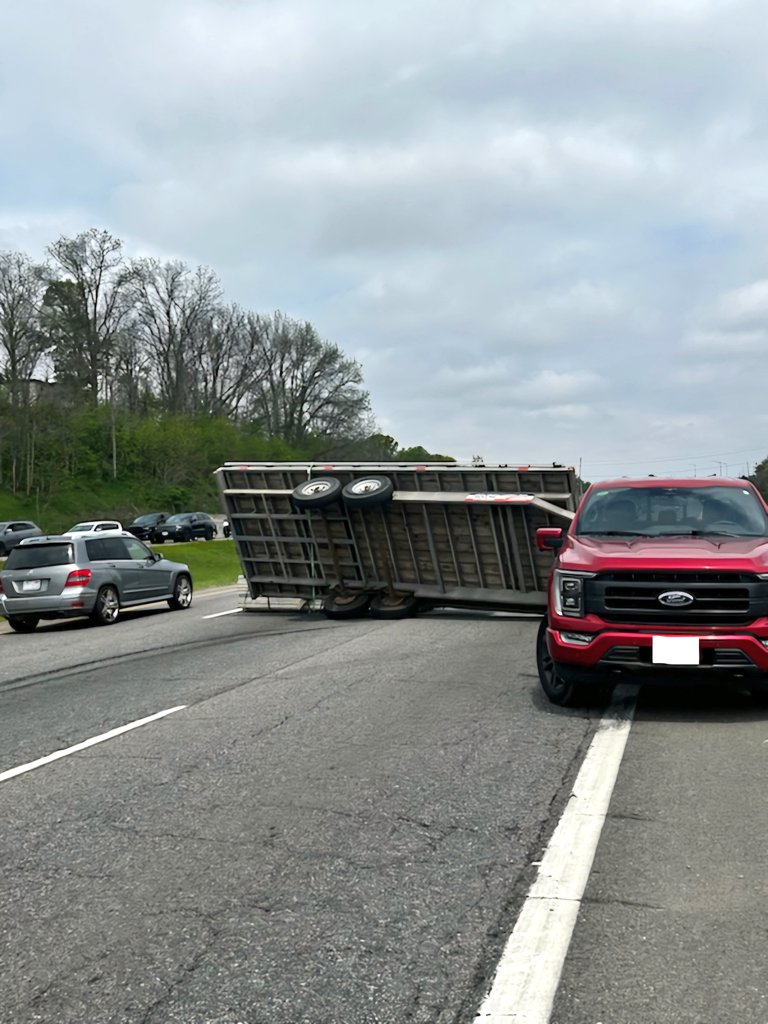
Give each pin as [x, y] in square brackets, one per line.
[541, 226]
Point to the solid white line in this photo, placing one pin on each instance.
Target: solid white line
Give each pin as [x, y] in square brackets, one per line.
[217, 615]
[528, 974]
[13, 772]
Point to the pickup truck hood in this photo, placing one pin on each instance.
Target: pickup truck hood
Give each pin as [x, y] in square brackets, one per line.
[681, 554]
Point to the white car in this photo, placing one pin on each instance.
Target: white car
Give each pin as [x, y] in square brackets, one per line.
[91, 527]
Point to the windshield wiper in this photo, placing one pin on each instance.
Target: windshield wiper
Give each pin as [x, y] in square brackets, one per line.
[612, 533]
[721, 533]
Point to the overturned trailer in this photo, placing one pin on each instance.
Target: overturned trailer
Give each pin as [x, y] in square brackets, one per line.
[389, 538]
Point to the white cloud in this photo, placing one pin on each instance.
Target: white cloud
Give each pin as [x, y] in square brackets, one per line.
[540, 226]
[554, 386]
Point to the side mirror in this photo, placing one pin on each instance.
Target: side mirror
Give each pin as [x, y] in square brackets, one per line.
[156, 556]
[549, 538]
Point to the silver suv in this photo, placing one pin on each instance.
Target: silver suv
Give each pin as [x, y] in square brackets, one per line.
[96, 576]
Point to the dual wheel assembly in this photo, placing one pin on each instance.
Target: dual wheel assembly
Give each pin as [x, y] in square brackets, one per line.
[381, 605]
[321, 491]
[365, 492]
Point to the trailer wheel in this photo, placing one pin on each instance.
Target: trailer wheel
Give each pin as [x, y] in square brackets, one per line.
[317, 493]
[368, 491]
[566, 693]
[346, 606]
[393, 606]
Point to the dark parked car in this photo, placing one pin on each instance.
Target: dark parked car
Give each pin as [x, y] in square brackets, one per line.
[13, 532]
[93, 576]
[144, 526]
[185, 526]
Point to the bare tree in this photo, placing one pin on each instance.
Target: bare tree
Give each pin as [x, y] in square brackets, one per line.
[22, 344]
[174, 305]
[231, 360]
[86, 311]
[309, 388]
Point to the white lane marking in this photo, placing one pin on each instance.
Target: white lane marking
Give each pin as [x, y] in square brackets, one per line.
[528, 974]
[217, 615]
[13, 772]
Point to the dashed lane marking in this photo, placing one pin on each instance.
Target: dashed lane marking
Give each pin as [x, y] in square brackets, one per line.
[11, 773]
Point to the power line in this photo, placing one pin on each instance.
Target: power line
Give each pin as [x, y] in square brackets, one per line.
[676, 458]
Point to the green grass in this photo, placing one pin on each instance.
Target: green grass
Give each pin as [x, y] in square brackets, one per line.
[212, 564]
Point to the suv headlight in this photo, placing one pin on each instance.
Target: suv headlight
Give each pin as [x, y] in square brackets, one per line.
[569, 592]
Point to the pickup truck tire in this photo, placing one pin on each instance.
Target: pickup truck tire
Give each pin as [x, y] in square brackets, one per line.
[759, 691]
[399, 606]
[346, 606]
[559, 690]
[368, 491]
[317, 492]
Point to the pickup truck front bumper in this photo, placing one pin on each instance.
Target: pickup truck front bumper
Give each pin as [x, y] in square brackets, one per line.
[612, 653]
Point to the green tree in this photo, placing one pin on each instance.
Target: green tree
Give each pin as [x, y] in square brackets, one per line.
[87, 310]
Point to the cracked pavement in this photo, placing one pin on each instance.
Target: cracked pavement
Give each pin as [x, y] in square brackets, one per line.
[338, 828]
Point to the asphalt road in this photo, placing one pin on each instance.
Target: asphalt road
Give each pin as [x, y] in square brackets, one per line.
[342, 823]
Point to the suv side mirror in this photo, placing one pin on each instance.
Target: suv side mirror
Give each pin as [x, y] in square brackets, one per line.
[549, 538]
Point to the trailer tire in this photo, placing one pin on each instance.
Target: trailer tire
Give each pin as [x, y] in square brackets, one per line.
[368, 491]
[566, 693]
[346, 606]
[317, 492]
[387, 606]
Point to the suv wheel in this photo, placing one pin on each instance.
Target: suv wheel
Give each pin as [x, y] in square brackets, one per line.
[182, 593]
[23, 623]
[107, 607]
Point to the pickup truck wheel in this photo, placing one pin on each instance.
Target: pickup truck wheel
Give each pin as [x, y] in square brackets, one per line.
[317, 492]
[346, 606]
[368, 491]
[23, 623]
[566, 693]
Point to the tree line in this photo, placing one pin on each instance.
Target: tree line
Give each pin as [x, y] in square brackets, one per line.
[113, 366]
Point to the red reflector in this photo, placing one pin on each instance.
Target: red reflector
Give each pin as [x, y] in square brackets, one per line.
[78, 578]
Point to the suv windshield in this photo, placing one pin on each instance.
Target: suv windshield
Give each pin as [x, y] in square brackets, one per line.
[180, 517]
[673, 511]
[35, 556]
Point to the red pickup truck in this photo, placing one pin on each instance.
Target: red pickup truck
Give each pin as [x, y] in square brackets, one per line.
[657, 581]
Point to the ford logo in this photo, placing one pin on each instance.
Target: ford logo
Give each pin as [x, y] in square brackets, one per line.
[676, 598]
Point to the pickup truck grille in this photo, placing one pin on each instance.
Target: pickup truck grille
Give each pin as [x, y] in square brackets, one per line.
[716, 657]
[719, 598]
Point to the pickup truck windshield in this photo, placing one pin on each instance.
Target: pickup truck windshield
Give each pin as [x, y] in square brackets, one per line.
[717, 511]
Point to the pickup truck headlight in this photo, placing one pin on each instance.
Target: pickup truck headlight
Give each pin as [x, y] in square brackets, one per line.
[569, 592]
